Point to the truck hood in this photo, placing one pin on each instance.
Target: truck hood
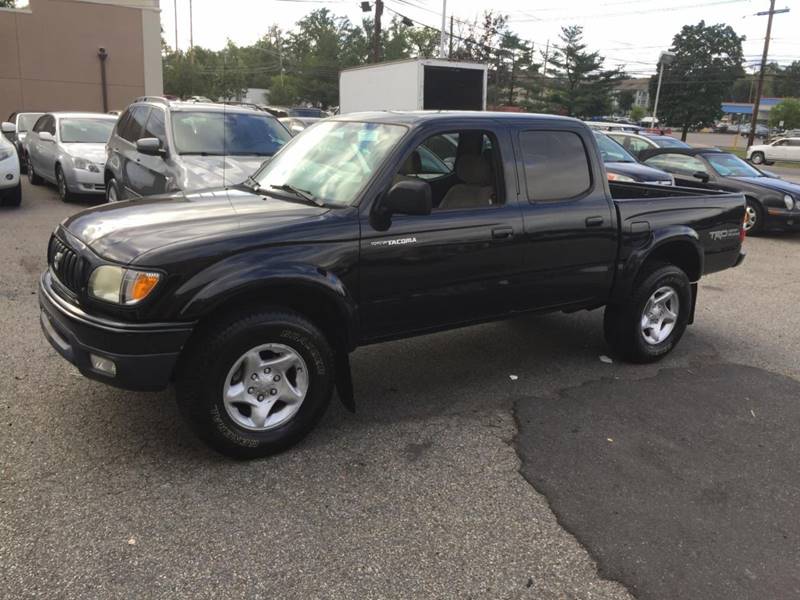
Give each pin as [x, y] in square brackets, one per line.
[123, 231]
[95, 153]
[770, 183]
[199, 172]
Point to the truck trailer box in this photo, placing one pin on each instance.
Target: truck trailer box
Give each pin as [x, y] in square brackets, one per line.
[415, 84]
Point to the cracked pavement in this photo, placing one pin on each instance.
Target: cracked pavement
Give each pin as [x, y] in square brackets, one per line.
[105, 493]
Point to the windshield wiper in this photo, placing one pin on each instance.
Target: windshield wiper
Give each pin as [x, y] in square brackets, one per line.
[304, 194]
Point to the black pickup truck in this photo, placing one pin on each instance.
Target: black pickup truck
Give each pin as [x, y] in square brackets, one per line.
[365, 228]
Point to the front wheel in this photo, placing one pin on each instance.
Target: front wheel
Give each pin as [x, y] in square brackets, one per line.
[256, 383]
[757, 158]
[754, 218]
[112, 191]
[649, 325]
[61, 184]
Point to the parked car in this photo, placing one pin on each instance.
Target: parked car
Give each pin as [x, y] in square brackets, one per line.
[786, 149]
[608, 126]
[10, 187]
[762, 131]
[771, 203]
[251, 297]
[635, 143]
[162, 146]
[622, 166]
[68, 149]
[23, 122]
[297, 124]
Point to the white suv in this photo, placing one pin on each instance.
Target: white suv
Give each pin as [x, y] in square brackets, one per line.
[787, 149]
[10, 187]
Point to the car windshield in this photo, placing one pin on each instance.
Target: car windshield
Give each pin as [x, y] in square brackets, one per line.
[245, 134]
[25, 122]
[332, 161]
[611, 151]
[86, 131]
[728, 165]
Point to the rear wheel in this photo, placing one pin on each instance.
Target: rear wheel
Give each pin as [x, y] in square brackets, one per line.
[32, 176]
[257, 383]
[61, 184]
[754, 218]
[757, 158]
[649, 325]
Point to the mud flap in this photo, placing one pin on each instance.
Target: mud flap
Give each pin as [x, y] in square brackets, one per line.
[694, 303]
[344, 381]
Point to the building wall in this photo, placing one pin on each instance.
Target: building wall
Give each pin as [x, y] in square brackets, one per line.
[48, 54]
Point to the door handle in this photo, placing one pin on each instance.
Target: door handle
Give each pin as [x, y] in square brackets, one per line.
[500, 233]
[594, 221]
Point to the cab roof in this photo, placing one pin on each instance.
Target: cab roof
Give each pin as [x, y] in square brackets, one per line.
[418, 117]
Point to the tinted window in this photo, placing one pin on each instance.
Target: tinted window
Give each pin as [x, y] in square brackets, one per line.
[556, 165]
[123, 123]
[39, 125]
[86, 131]
[136, 126]
[794, 142]
[219, 133]
[155, 127]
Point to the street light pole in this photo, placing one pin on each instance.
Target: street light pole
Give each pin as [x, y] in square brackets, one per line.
[664, 58]
[443, 36]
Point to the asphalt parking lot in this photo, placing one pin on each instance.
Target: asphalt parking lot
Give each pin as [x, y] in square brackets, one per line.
[500, 461]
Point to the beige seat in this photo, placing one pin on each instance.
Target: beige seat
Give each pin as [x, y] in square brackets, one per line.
[476, 190]
[411, 167]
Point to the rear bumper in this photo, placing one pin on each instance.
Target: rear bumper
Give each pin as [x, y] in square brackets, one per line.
[144, 355]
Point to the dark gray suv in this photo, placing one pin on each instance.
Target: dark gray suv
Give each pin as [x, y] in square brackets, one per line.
[160, 146]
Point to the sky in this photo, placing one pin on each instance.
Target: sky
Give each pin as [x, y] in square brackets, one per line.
[628, 33]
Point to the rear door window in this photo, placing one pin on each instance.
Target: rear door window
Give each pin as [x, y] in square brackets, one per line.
[556, 165]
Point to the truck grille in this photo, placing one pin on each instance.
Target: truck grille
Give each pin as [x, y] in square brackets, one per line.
[65, 263]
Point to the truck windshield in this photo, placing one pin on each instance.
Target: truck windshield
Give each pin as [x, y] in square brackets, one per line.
[611, 151]
[729, 165]
[220, 133]
[332, 161]
[86, 131]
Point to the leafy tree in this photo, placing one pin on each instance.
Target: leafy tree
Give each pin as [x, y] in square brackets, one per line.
[787, 111]
[637, 113]
[582, 87]
[708, 59]
[8, 3]
[625, 100]
[787, 82]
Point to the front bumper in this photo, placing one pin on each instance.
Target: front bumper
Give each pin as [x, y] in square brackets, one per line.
[781, 218]
[9, 173]
[144, 355]
[87, 182]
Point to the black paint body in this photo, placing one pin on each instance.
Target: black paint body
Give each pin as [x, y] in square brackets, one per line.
[221, 247]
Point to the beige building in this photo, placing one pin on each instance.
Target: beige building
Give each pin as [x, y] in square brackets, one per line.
[50, 54]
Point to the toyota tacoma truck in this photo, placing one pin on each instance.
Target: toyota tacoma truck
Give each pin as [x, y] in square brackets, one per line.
[364, 228]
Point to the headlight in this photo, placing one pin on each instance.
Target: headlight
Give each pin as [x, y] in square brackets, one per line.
[122, 286]
[618, 177]
[4, 154]
[85, 165]
[788, 201]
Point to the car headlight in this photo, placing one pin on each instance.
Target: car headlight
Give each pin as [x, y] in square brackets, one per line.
[4, 154]
[85, 165]
[788, 201]
[122, 286]
[618, 177]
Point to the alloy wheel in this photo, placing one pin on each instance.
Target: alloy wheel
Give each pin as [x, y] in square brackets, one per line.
[660, 315]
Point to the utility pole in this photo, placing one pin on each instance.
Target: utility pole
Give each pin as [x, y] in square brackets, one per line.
[450, 49]
[760, 86]
[175, 9]
[376, 34]
[443, 35]
[664, 58]
[191, 32]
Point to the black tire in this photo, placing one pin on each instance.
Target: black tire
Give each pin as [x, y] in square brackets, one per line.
[754, 222]
[757, 158]
[111, 184]
[61, 186]
[23, 163]
[207, 362]
[14, 196]
[33, 178]
[622, 323]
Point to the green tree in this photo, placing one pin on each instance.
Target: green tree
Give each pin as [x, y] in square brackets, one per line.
[8, 3]
[788, 112]
[637, 113]
[708, 60]
[582, 88]
[787, 83]
[625, 100]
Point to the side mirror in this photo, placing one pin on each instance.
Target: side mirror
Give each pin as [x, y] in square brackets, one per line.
[46, 136]
[8, 127]
[408, 197]
[701, 175]
[149, 146]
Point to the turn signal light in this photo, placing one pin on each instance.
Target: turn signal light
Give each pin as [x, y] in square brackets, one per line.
[141, 286]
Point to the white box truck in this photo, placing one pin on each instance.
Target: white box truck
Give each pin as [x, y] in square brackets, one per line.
[414, 84]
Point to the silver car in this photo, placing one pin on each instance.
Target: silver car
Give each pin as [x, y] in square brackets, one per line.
[69, 150]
